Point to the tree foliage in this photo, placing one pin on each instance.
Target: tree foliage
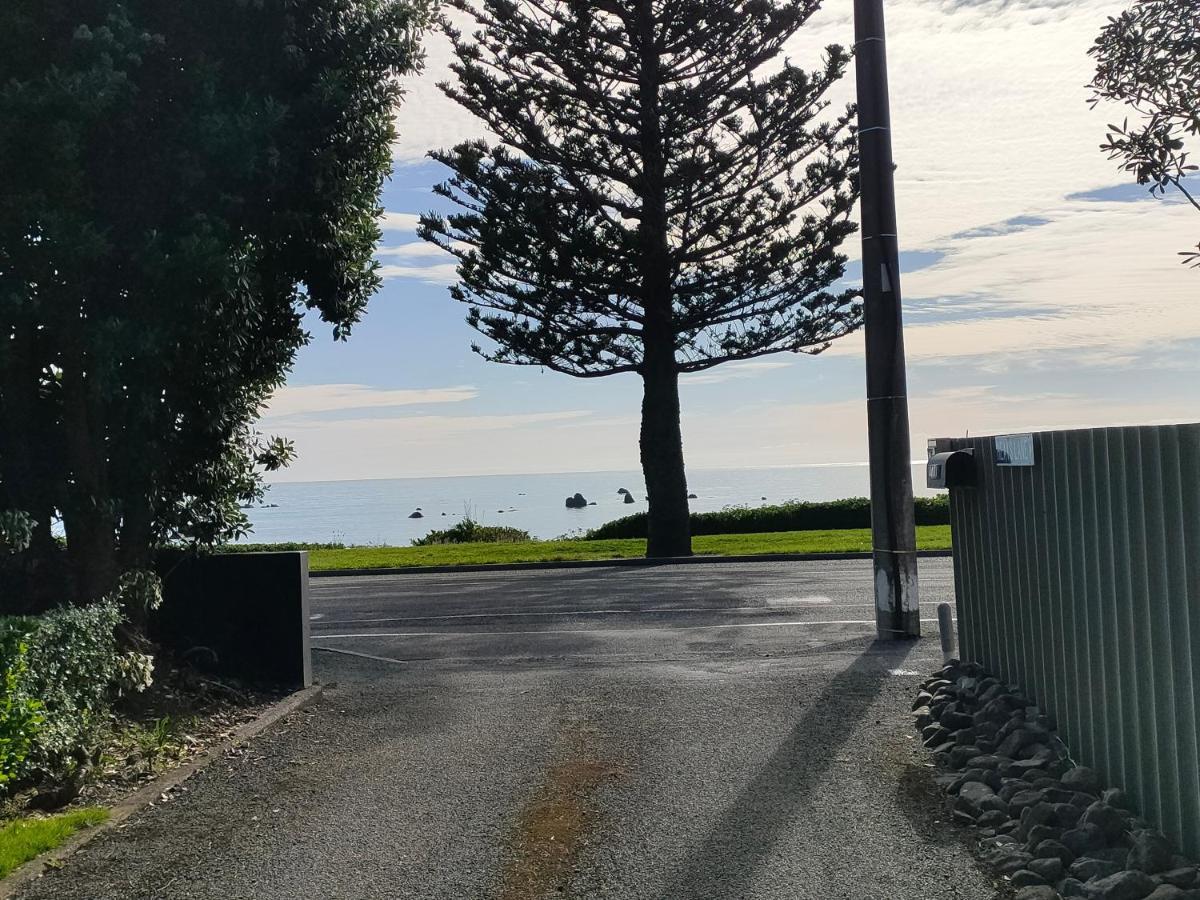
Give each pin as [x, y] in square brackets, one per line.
[668, 193]
[182, 181]
[1149, 59]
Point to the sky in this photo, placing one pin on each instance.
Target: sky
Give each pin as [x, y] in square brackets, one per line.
[1042, 289]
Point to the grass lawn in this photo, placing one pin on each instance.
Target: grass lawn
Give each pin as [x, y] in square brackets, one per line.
[929, 537]
[23, 839]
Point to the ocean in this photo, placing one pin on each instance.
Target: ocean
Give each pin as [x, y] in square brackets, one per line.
[377, 511]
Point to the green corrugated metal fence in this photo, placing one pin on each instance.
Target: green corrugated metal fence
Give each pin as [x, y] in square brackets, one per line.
[1079, 578]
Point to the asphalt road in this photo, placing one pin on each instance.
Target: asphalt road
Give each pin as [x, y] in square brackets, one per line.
[608, 616]
[724, 731]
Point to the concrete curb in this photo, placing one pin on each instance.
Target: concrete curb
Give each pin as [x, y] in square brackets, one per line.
[608, 563]
[23, 875]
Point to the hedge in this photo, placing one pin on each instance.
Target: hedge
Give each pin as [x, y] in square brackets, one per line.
[59, 673]
[794, 515]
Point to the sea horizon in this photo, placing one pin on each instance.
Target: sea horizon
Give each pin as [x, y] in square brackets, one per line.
[373, 511]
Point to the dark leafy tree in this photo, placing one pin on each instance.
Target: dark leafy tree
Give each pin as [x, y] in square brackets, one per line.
[1149, 59]
[182, 180]
[668, 194]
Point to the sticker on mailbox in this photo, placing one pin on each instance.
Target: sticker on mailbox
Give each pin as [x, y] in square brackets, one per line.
[1014, 450]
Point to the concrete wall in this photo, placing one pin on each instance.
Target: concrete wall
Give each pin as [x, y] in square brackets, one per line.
[249, 609]
[1079, 578]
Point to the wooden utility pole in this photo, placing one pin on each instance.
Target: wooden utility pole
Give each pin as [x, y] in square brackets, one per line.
[897, 612]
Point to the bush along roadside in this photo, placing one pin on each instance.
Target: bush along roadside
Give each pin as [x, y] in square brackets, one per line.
[1048, 825]
[59, 673]
[794, 515]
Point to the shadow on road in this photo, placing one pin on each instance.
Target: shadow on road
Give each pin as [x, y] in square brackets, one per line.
[724, 864]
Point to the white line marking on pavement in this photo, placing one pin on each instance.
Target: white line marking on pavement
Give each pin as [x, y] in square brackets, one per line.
[404, 634]
[360, 655]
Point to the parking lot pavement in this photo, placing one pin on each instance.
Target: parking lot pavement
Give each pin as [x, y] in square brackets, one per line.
[705, 732]
[608, 616]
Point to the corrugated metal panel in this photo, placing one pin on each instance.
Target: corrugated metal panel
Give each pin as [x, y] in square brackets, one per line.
[1079, 578]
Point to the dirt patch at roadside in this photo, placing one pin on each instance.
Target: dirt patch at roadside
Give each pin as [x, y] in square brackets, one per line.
[558, 819]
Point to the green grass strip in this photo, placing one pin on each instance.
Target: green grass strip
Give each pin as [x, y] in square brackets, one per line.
[929, 537]
[23, 839]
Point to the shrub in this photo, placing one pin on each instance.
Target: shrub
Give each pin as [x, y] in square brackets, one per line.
[20, 714]
[64, 668]
[468, 531]
[794, 515]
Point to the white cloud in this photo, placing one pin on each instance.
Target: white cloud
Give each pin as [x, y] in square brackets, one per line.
[306, 400]
[446, 273]
[1099, 278]
[413, 250]
[428, 120]
[399, 221]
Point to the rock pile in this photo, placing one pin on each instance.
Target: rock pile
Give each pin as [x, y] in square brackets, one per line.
[1048, 825]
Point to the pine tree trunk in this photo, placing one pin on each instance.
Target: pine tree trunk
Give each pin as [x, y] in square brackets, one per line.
[668, 526]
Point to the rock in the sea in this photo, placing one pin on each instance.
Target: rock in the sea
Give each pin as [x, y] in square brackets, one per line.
[693, 497]
[629, 498]
[416, 514]
[622, 490]
[576, 502]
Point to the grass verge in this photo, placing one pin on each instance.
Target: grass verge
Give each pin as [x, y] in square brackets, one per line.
[23, 839]
[851, 540]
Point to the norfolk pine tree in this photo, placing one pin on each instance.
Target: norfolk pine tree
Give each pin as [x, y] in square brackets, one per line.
[667, 194]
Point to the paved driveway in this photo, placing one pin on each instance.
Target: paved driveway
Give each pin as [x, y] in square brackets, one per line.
[723, 731]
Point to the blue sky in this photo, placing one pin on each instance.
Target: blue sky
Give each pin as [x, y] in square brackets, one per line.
[1040, 289]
